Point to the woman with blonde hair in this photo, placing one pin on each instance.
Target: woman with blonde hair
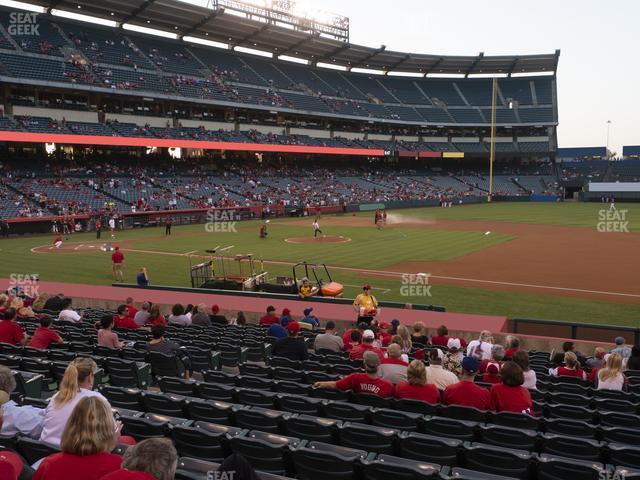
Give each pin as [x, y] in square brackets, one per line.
[88, 438]
[23, 311]
[415, 387]
[76, 384]
[405, 337]
[571, 367]
[419, 334]
[610, 377]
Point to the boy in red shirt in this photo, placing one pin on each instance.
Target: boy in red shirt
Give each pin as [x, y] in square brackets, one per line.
[270, 318]
[358, 351]
[368, 382]
[466, 392]
[44, 335]
[130, 308]
[10, 331]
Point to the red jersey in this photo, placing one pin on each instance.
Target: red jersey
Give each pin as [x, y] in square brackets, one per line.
[66, 466]
[510, 351]
[43, 337]
[117, 257]
[269, 319]
[491, 371]
[439, 340]
[567, 372]
[124, 322]
[132, 310]
[158, 321]
[511, 399]
[10, 332]
[361, 382]
[385, 338]
[467, 394]
[427, 393]
[357, 352]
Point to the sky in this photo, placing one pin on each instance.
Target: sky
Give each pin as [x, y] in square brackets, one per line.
[599, 71]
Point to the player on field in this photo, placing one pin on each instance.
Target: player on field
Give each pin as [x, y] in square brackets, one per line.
[58, 241]
[316, 228]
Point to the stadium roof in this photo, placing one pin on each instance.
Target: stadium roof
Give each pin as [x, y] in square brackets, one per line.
[229, 22]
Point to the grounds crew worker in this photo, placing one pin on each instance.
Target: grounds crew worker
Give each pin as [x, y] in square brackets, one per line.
[365, 305]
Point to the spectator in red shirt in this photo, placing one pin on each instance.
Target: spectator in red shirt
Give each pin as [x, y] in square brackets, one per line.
[466, 392]
[117, 260]
[491, 368]
[44, 335]
[442, 337]
[358, 351]
[416, 387]
[270, 318]
[122, 318]
[155, 317]
[510, 395]
[346, 336]
[513, 345]
[87, 440]
[10, 331]
[571, 367]
[368, 382]
[130, 307]
[383, 334]
[354, 340]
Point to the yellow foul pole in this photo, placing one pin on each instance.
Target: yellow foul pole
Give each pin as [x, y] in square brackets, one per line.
[492, 147]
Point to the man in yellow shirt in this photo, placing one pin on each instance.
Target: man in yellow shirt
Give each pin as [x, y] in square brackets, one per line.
[306, 290]
[365, 305]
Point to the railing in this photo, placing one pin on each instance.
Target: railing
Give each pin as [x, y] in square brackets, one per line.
[574, 330]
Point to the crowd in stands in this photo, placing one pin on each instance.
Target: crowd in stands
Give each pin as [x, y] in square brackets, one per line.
[396, 361]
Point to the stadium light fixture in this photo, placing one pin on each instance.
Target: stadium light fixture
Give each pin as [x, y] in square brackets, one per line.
[22, 6]
[82, 17]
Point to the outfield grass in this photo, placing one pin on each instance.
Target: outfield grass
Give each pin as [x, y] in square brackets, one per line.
[370, 248]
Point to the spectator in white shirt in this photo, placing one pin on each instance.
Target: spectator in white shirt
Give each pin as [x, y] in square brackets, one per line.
[178, 316]
[610, 377]
[437, 375]
[481, 348]
[76, 384]
[522, 359]
[26, 420]
[67, 314]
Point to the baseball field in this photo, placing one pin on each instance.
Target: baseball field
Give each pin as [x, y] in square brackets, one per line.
[561, 261]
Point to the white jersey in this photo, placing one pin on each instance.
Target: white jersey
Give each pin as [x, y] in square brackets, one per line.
[112, 223]
[316, 226]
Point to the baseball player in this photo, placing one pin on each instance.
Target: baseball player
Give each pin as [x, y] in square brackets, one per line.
[316, 228]
[112, 227]
[58, 241]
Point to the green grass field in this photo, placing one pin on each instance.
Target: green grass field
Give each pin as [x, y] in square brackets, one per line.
[387, 248]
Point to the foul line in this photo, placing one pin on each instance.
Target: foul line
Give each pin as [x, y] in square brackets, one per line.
[388, 273]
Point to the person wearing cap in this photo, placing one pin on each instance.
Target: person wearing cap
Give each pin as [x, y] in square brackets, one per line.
[437, 375]
[365, 305]
[415, 387]
[510, 395]
[328, 340]
[367, 345]
[393, 367]
[368, 382]
[490, 369]
[311, 319]
[383, 335]
[286, 314]
[621, 349]
[216, 317]
[291, 347]
[25, 420]
[151, 459]
[13, 467]
[117, 261]
[270, 317]
[480, 348]
[452, 360]
[466, 392]
[346, 336]
[279, 330]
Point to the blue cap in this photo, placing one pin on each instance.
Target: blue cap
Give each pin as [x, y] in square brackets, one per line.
[284, 321]
[308, 310]
[395, 322]
[470, 364]
[363, 326]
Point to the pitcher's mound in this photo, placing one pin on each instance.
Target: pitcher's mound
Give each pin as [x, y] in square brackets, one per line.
[319, 239]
